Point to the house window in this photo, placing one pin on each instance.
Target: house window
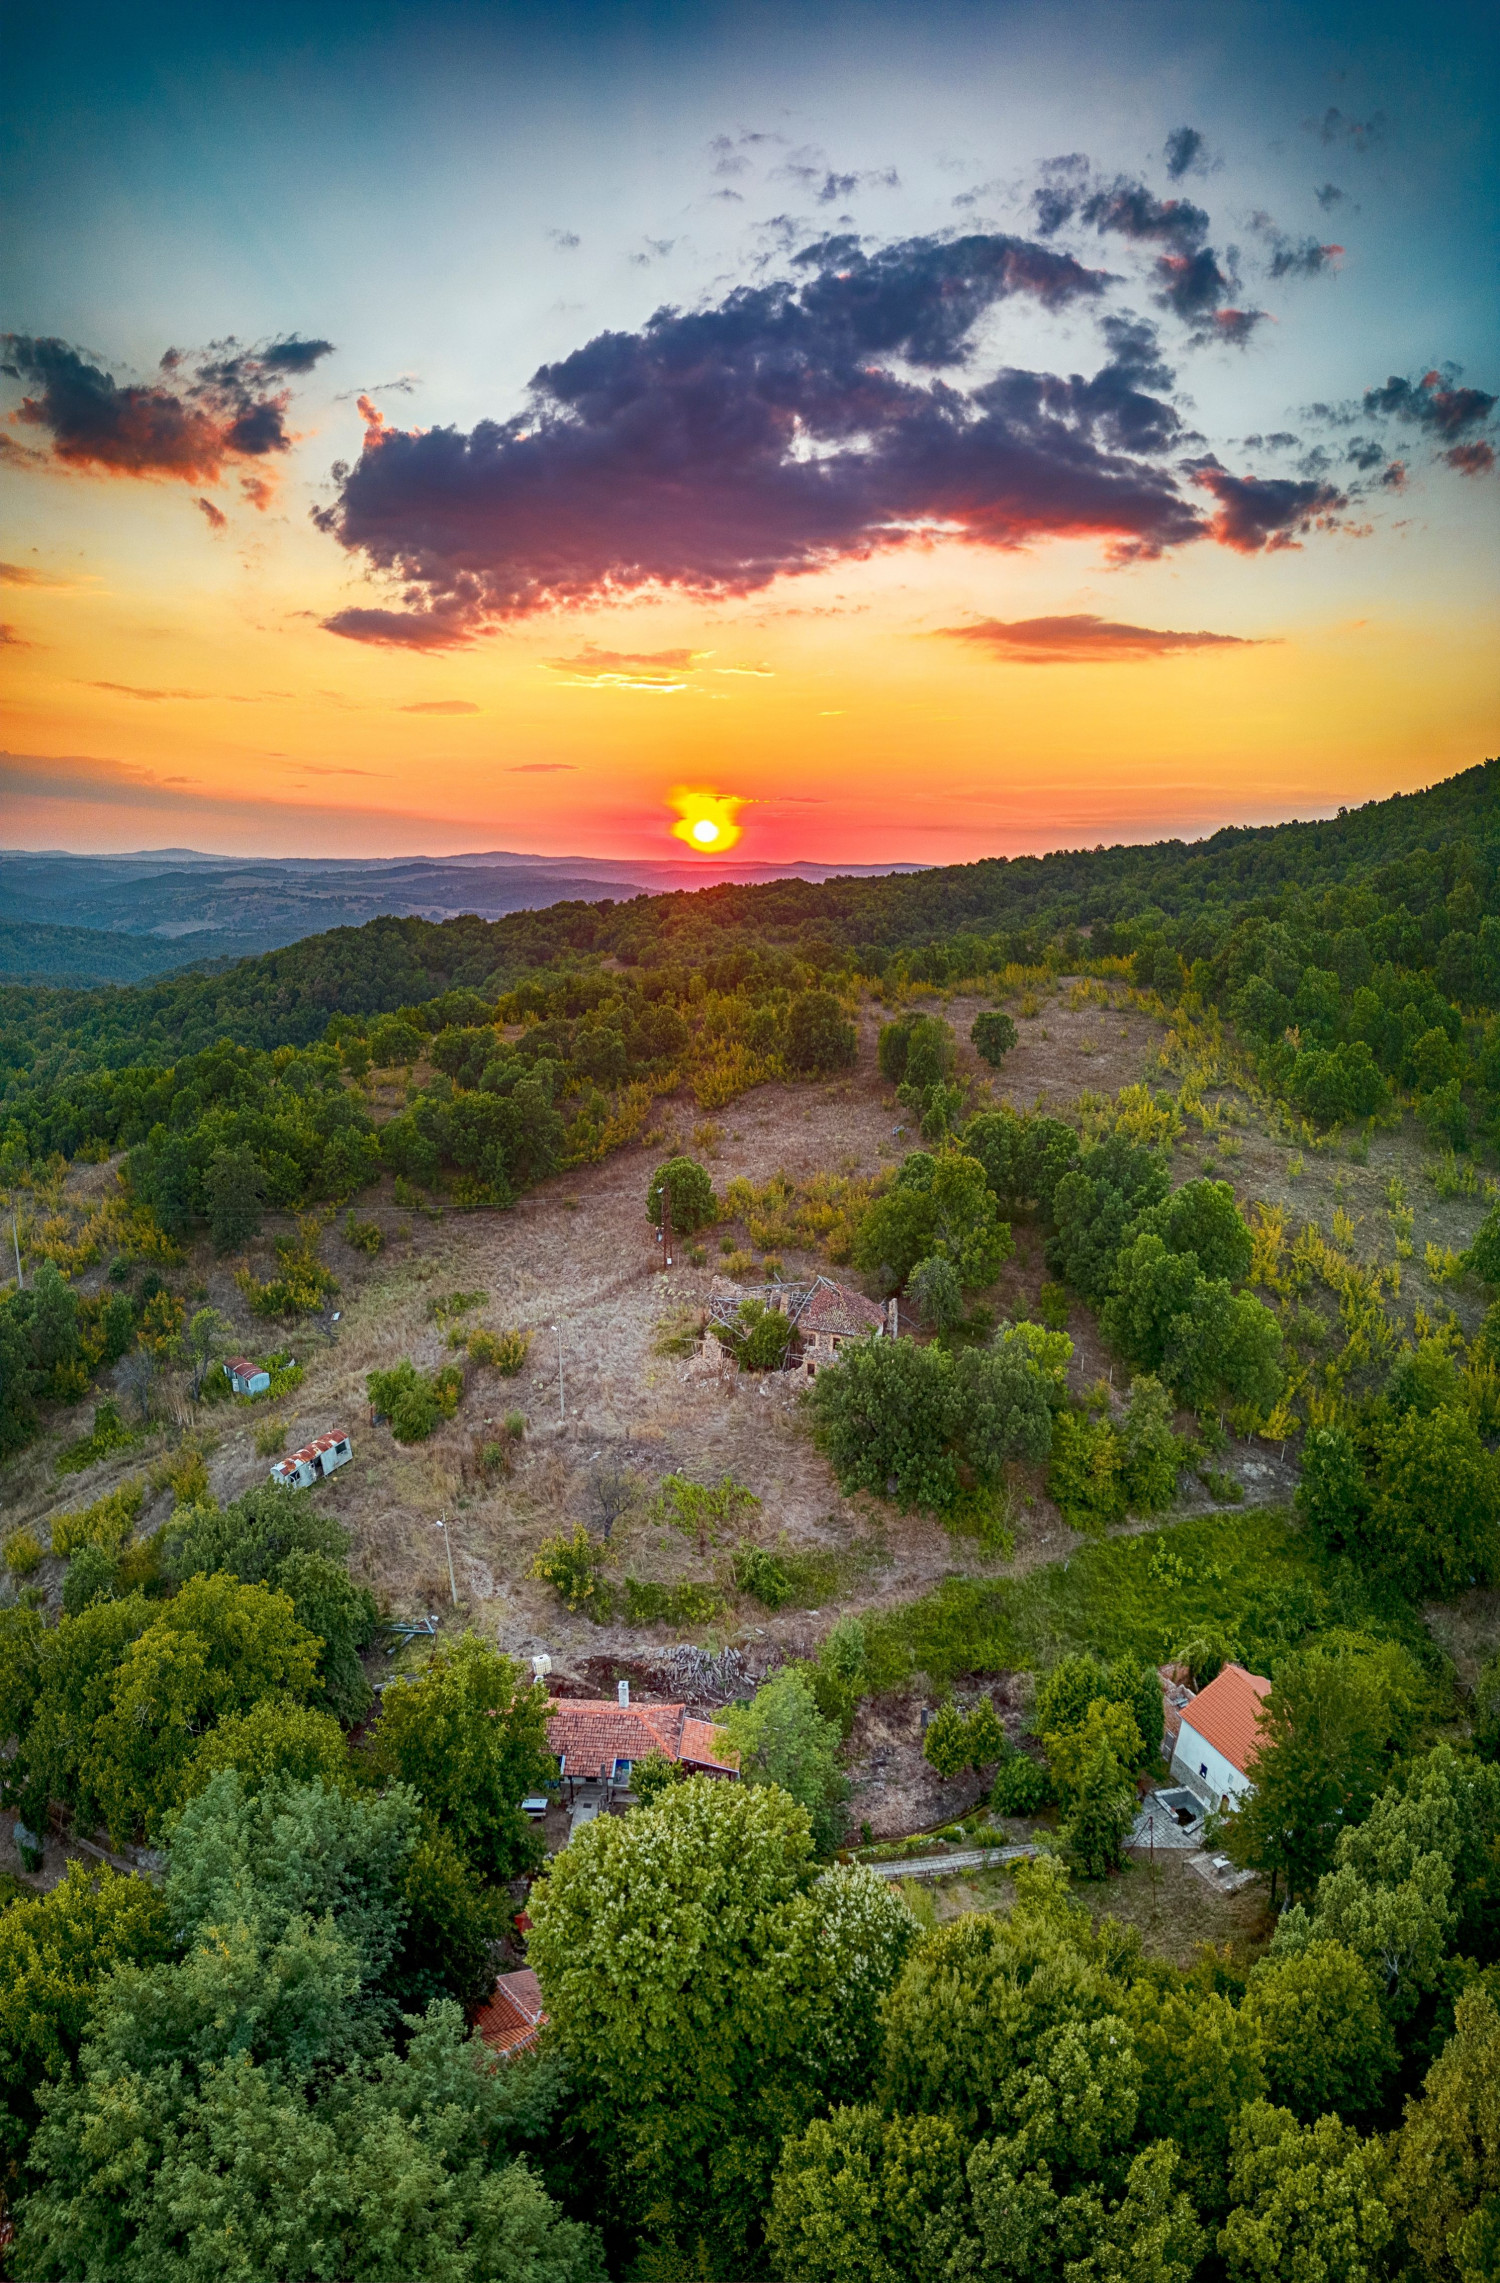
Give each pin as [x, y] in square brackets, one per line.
[1203, 1767]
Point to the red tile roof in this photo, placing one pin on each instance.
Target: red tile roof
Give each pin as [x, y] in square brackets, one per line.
[512, 2016]
[833, 1309]
[589, 1735]
[1225, 1715]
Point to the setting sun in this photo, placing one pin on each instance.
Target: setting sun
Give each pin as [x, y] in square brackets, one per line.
[705, 820]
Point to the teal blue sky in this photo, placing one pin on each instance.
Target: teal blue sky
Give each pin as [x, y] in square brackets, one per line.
[1276, 225]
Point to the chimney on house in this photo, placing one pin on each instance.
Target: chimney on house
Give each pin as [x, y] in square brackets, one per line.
[622, 1695]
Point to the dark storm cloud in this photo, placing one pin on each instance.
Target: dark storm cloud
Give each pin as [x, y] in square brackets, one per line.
[1475, 459]
[1079, 639]
[1364, 453]
[717, 450]
[1186, 152]
[1329, 196]
[212, 407]
[1435, 401]
[1264, 514]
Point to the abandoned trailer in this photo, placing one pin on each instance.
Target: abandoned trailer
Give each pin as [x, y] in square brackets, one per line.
[299, 1469]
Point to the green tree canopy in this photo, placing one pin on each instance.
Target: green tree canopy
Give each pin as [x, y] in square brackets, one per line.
[712, 1993]
[470, 1737]
[55, 1952]
[690, 1189]
[1325, 2041]
[994, 1037]
[1307, 2201]
[940, 1207]
[782, 1738]
[819, 1036]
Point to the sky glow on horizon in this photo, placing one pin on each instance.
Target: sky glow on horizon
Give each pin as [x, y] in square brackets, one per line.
[910, 436]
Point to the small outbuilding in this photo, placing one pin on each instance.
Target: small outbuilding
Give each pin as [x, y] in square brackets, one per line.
[247, 1378]
[300, 1469]
[1218, 1737]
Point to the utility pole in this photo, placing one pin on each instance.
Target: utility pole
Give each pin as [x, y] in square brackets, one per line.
[666, 1225]
[16, 1237]
[562, 1411]
[452, 1580]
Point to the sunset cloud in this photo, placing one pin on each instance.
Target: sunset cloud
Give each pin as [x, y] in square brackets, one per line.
[664, 671]
[1263, 514]
[785, 429]
[212, 409]
[1080, 639]
[442, 705]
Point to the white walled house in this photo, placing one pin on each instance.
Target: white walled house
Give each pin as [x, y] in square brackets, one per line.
[1218, 1737]
[247, 1378]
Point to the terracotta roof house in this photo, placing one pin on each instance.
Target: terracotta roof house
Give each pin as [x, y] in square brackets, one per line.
[1218, 1736]
[512, 2016]
[597, 1742]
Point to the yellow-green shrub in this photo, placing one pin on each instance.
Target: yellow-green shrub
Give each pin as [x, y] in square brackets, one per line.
[107, 1523]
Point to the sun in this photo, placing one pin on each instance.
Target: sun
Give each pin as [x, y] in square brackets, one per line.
[708, 821]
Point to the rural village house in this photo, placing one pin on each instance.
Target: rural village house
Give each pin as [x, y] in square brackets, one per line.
[598, 1743]
[1217, 1736]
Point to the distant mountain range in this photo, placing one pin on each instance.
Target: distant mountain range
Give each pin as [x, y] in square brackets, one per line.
[124, 919]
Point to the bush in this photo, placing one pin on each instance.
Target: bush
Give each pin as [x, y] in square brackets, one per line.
[414, 1402]
[571, 1565]
[648, 1602]
[945, 1747]
[759, 1337]
[23, 1552]
[993, 1036]
[504, 1352]
[1022, 1786]
[364, 1236]
[764, 1576]
[107, 1523]
[690, 1191]
[92, 1576]
[110, 1433]
[650, 1777]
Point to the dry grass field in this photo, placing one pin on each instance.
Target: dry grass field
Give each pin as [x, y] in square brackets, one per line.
[575, 1265]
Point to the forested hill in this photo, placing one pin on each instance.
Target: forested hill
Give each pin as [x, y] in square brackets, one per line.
[1406, 854]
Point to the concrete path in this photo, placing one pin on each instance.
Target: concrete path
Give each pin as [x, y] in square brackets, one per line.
[972, 1859]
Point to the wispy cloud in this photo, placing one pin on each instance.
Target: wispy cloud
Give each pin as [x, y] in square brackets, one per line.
[1080, 639]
